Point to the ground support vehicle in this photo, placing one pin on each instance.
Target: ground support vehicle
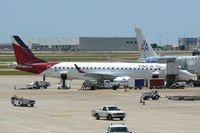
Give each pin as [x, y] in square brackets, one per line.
[108, 112]
[185, 98]
[38, 85]
[178, 85]
[105, 84]
[117, 128]
[158, 83]
[196, 83]
[60, 86]
[138, 83]
[148, 94]
[16, 101]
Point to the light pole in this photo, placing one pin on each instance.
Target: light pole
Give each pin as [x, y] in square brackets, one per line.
[160, 36]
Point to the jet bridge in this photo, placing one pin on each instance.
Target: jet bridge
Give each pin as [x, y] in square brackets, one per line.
[172, 71]
[197, 67]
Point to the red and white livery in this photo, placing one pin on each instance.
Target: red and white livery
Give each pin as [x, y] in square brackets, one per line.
[27, 61]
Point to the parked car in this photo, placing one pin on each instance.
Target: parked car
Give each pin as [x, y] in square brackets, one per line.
[108, 112]
[117, 128]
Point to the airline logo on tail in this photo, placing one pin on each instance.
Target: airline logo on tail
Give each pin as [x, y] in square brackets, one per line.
[144, 46]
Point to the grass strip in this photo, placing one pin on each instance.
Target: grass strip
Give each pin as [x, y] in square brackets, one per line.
[15, 73]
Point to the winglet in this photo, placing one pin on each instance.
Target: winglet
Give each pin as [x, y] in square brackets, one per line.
[78, 69]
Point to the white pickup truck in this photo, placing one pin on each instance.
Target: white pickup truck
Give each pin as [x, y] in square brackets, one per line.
[37, 85]
[105, 84]
[108, 112]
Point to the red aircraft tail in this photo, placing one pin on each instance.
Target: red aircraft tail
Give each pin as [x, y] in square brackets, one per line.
[23, 54]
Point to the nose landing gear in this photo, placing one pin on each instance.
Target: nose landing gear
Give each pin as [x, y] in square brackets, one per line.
[62, 84]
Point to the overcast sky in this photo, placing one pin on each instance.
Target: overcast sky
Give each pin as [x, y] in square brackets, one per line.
[159, 19]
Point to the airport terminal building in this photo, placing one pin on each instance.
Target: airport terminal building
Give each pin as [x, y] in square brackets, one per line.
[190, 43]
[6, 47]
[84, 43]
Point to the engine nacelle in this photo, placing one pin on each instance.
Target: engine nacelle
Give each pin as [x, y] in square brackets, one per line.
[158, 74]
[123, 81]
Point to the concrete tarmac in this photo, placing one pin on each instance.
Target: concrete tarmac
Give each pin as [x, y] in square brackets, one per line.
[65, 111]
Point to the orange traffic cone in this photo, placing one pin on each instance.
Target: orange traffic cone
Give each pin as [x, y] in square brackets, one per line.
[140, 99]
[143, 102]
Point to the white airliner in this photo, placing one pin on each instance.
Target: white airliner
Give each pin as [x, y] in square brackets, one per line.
[27, 61]
[148, 55]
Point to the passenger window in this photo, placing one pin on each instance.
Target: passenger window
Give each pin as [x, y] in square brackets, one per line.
[71, 67]
[67, 67]
[104, 108]
[90, 67]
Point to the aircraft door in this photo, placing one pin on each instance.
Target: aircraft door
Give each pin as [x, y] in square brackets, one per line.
[104, 112]
[48, 69]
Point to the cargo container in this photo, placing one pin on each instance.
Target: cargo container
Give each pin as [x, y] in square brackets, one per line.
[136, 83]
[158, 83]
[139, 83]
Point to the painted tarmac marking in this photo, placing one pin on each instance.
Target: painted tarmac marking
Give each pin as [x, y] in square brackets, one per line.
[59, 115]
[48, 117]
[9, 123]
[75, 111]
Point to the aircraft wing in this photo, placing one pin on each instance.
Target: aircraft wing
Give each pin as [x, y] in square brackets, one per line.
[95, 75]
[164, 59]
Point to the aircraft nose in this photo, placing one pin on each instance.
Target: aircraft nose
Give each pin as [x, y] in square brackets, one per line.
[185, 75]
